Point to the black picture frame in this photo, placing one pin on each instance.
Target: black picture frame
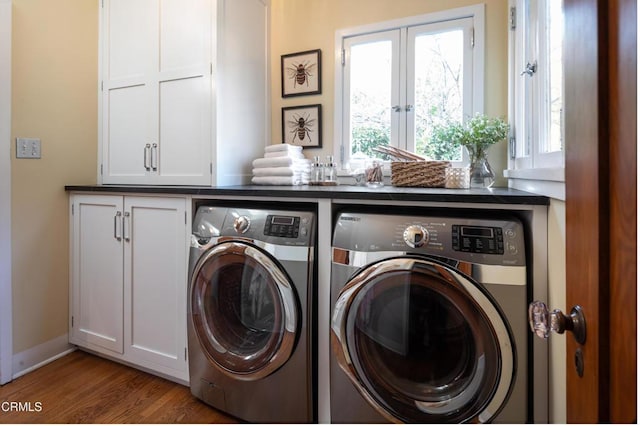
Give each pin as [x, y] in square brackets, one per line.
[302, 125]
[301, 73]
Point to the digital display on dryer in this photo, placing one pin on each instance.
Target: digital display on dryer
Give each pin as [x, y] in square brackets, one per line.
[282, 220]
[477, 239]
[282, 226]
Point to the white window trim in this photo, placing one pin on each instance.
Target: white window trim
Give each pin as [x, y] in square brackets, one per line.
[477, 12]
[548, 178]
[542, 181]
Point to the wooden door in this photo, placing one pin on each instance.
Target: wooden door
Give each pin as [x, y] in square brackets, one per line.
[601, 188]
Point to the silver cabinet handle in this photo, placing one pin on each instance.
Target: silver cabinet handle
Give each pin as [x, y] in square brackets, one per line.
[125, 226]
[154, 157]
[408, 108]
[147, 157]
[117, 232]
[396, 108]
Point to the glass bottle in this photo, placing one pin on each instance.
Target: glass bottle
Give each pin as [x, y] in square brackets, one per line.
[317, 172]
[330, 170]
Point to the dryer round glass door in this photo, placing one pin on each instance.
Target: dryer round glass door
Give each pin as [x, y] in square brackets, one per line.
[423, 343]
[244, 310]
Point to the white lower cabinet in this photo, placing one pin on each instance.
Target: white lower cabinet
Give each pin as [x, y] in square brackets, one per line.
[129, 279]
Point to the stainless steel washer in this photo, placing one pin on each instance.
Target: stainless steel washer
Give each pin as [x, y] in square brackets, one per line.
[428, 320]
[251, 313]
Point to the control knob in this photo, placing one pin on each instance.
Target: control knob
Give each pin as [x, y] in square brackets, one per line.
[415, 236]
[241, 224]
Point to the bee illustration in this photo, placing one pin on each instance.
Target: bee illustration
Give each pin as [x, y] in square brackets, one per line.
[301, 72]
[301, 127]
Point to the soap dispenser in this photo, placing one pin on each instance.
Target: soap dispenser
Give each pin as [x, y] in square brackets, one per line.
[330, 170]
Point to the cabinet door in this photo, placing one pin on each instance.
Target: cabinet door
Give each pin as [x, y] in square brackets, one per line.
[97, 271]
[155, 235]
[184, 93]
[128, 115]
[156, 92]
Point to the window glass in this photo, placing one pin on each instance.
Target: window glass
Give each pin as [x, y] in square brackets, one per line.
[555, 104]
[439, 89]
[370, 96]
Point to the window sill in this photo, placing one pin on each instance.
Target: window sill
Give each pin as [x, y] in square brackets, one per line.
[548, 182]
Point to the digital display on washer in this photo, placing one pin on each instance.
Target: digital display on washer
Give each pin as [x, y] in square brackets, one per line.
[475, 231]
[282, 226]
[477, 239]
[282, 220]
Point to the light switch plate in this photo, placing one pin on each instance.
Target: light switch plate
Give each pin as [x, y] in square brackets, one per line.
[27, 148]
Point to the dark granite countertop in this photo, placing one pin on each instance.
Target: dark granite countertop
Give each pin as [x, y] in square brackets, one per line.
[341, 192]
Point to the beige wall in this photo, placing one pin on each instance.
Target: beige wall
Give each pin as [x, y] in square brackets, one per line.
[311, 24]
[54, 98]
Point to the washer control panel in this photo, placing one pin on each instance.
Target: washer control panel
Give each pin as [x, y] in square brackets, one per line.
[278, 227]
[282, 226]
[477, 239]
[482, 240]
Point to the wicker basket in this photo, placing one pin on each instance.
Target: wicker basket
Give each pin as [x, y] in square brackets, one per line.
[423, 174]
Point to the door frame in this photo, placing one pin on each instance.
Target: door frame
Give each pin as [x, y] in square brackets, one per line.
[6, 323]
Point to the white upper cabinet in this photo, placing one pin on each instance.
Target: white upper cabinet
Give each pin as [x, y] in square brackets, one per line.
[180, 82]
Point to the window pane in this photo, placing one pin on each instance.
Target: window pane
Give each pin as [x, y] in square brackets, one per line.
[370, 96]
[555, 36]
[438, 89]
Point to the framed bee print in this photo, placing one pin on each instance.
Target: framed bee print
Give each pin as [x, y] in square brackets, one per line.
[301, 73]
[302, 125]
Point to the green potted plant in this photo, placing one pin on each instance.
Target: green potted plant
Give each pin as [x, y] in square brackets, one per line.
[476, 135]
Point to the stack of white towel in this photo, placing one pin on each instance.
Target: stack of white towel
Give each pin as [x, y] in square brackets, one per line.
[282, 164]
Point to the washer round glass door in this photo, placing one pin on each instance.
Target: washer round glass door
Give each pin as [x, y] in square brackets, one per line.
[423, 343]
[244, 310]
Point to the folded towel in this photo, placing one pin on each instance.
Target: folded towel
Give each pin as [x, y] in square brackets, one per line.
[273, 171]
[279, 180]
[282, 171]
[278, 162]
[287, 153]
[282, 147]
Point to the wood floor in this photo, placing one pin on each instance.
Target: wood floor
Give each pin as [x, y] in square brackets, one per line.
[83, 388]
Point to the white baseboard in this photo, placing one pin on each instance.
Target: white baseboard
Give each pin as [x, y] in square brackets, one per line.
[38, 356]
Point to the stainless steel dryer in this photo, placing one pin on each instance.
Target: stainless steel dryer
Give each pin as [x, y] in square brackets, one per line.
[429, 320]
[251, 313]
